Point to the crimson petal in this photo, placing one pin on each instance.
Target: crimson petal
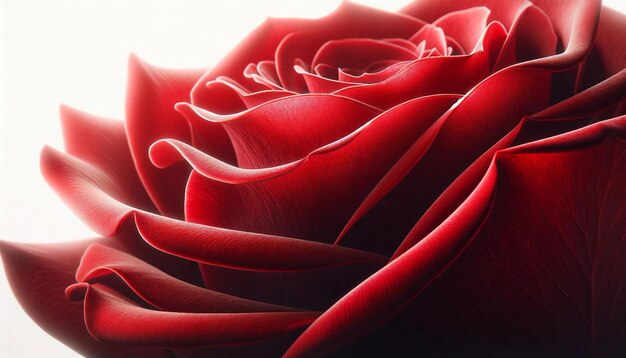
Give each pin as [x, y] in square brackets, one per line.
[287, 129]
[150, 115]
[431, 10]
[110, 319]
[103, 143]
[39, 274]
[558, 290]
[289, 204]
[245, 250]
[447, 74]
[465, 26]
[159, 289]
[349, 20]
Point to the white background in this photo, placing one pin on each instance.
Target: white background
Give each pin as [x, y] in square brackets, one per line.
[75, 52]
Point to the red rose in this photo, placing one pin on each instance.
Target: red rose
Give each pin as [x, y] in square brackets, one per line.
[448, 180]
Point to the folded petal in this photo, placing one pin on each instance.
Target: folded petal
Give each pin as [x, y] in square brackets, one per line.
[531, 36]
[166, 152]
[358, 53]
[245, 250]
[606, 57]
[465, 26]
[103, 143]
[426, 76]
[90, 193]
[349, 20]
[431, 10]
[415, 183]
[110, 319]
[573, 113]
[432, 36]
[290, 205]
[522, 266]
[287, 129]
[315, 289]
[150, 115]
[159, 289]
[39, 274]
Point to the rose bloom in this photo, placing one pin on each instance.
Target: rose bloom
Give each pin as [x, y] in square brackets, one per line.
[446, 180]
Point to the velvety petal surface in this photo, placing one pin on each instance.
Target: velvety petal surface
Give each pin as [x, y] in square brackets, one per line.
[39, 274]
[150, 115]
[341, 173]
[523, 266]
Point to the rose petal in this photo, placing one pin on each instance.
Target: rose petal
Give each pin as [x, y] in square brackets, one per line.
[358, 53]
[110, 319]
[252, 72]
[289, 128]
[166, 152]
[431, 10]
[416, 183]
[38, 275]
[222, 95]
[465, 26]
[558, 289]
[249, 99]
[289, 204]
[531, 36]
[91, 193]
[159, 289]
[606, 57]
[245, 250]
[103, 143]
[373, 77]
[432, 36]
[456, 74]
[349, 20]
[150, 115]
[562, 117]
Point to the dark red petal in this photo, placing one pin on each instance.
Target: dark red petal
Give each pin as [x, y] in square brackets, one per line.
[287, 129]
[455, 74]
[358, 53]
[110, 319]
[315, 289]
[602, 95]
[96, 199]
[39, 274]
[416, 183]
[465, 26]
[430, 10]
[349, 20]
[103, 143]
[562, 117]
[290, 205]
[575, 23]
[607, 55]
[245, 250]
[159, 289]
[150, 115]
[530, 262]
[531, 36]
[457, 139]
